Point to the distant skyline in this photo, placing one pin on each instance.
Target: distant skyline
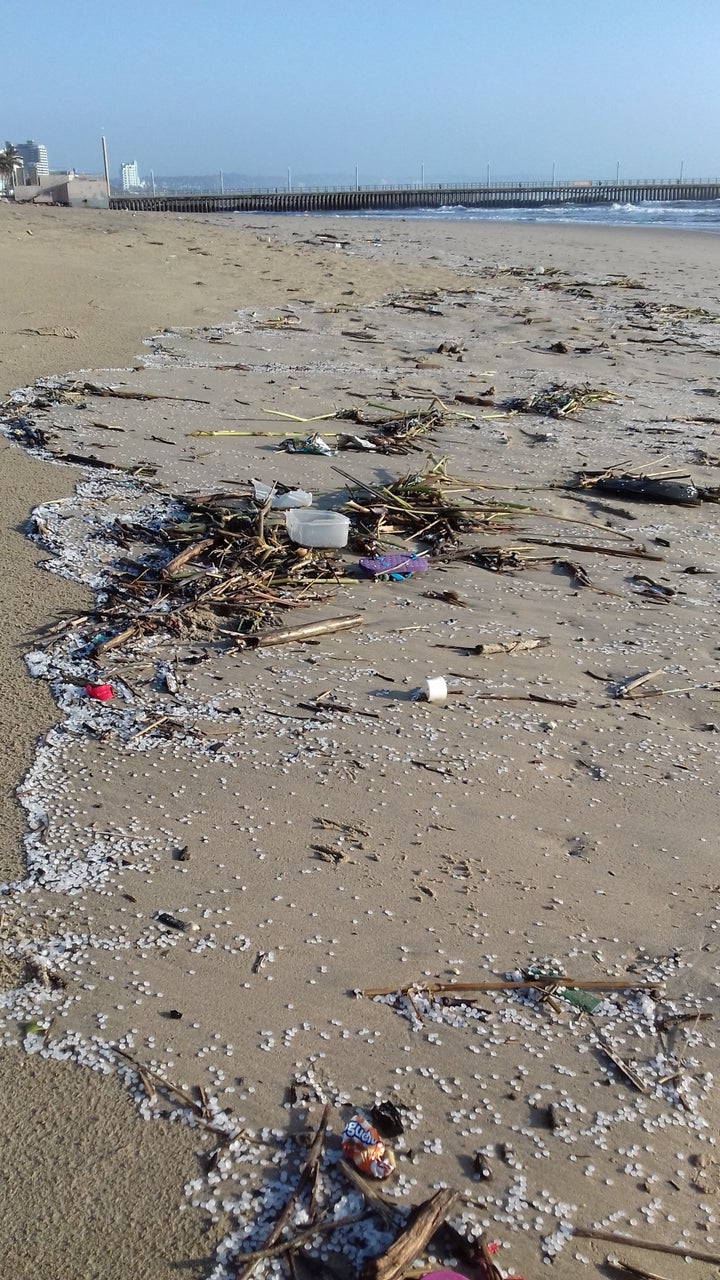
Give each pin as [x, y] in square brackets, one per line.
[398, 88]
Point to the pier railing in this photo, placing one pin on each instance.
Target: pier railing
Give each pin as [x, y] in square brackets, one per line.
[523, 195]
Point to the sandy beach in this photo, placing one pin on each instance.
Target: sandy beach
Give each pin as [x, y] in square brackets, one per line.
[312, 830]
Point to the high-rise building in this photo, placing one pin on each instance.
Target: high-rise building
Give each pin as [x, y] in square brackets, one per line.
[34, 157]
[129, 176]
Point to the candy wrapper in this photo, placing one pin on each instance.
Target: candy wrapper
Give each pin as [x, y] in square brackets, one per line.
[363, 1145]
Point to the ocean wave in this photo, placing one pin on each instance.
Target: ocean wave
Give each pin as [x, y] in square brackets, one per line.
[680, 215]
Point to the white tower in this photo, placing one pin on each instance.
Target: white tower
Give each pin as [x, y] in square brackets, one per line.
[129, 176]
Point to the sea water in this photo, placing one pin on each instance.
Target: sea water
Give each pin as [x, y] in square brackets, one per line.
[680, 215]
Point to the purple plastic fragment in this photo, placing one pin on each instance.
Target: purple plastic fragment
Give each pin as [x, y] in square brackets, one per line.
[393, 566]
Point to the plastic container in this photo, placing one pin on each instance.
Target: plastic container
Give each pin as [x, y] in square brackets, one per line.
[281, 501]
[311, 528]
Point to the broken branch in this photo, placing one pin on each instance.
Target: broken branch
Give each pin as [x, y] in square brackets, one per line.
[306, 632]
[285, 1246]
[677, 1250]
[308, 1178]
[394, 1262]
[438, 988]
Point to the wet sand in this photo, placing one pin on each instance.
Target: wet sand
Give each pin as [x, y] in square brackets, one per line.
[495, 831]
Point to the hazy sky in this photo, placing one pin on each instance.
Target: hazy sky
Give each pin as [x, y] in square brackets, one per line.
[255, 86]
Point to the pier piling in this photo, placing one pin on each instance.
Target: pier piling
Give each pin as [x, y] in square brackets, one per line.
[383, 199]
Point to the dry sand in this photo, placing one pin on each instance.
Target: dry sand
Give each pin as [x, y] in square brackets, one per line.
[583, 831]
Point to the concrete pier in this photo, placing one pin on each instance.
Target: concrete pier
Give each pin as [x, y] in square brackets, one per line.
[383, 199]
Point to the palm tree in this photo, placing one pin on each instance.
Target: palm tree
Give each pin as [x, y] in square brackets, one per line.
[10, 162]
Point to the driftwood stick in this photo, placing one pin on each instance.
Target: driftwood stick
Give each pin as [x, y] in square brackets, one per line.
[168, 1085]
[631, 685]
[581, 579]
[492, 1272]
[189, 553]
[622, 1066]
[148, 728]
[115, 641]
[118, 393]
[149, 1077]
[518, 697]
[308, 1177]
[306, 632]
[392, 1264]
[637, 553]
[348, 827]
[147, 1085]
[510, 646]
[337, 706]
[553, 980]
[320, 1228]
[500, 646]
[473, 1253]
[307, 1268]
[686, 688]
[627, 1269]
[697, 1015]
[374, 1199]
[632, 1242]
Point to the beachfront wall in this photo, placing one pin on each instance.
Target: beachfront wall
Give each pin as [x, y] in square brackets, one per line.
[64, 189]
[52, 189]
[87, 193]
[365, 199]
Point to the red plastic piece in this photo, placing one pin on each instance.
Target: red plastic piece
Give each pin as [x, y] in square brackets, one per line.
[100, 692]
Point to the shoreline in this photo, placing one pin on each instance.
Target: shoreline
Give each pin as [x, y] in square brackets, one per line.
[379, 278]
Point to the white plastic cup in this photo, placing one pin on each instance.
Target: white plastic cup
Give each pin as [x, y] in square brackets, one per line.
[435, 689]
